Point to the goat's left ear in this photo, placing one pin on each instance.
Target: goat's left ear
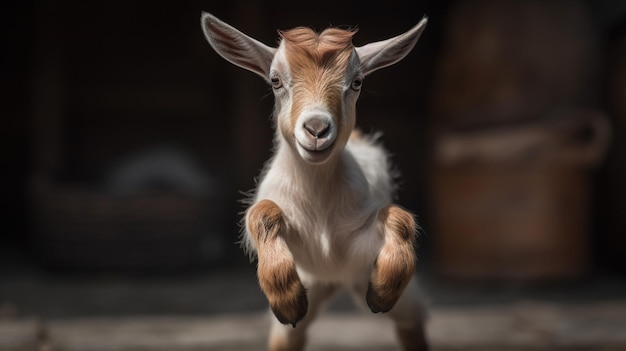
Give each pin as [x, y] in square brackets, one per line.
[385, 53]
[236, 47]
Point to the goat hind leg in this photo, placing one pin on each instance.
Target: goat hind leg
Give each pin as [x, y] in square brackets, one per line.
[395, 263]
[409, 317]
[276, 269]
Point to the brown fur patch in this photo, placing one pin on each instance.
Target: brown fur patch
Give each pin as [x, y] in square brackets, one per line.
[318, 64]
[395, 263]
[266, 219]
[276, 269]
[321, 48]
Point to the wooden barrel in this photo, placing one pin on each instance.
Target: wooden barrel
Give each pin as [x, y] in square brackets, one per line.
[514, 203]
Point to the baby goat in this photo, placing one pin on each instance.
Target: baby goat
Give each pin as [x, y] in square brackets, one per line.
[322, 216]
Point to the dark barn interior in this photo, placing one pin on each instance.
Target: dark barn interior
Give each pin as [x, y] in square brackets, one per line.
[129, 143]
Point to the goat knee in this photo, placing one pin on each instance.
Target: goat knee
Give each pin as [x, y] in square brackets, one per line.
[395, 264]
[276, 269]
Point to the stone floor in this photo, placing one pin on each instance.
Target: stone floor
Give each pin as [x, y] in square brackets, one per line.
[223, 309]
[522, 326]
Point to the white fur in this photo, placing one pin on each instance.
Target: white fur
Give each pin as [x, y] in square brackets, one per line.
[330, 216]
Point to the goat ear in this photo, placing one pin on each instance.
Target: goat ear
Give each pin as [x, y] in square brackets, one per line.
[236, 47]
[385, 53]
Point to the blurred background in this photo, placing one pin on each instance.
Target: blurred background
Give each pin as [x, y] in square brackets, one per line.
[128, 143]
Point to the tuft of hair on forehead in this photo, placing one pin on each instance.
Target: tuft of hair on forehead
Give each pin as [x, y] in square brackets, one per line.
[320, 47]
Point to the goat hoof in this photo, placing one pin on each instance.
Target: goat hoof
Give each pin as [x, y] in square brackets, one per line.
[378, 301]
[281, 284]
[291, 307]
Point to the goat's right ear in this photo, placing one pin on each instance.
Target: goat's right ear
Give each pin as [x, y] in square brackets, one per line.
[237, 47]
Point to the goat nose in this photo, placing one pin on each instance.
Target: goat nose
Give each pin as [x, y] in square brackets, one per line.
[317, 127]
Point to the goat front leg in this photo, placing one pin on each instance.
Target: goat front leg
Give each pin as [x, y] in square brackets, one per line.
[276, 269]
[395, 264]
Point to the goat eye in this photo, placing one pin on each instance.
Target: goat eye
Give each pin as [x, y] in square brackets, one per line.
[357, 83]
[276, 82]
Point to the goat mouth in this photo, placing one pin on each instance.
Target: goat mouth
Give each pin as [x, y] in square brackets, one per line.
[315, 156]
